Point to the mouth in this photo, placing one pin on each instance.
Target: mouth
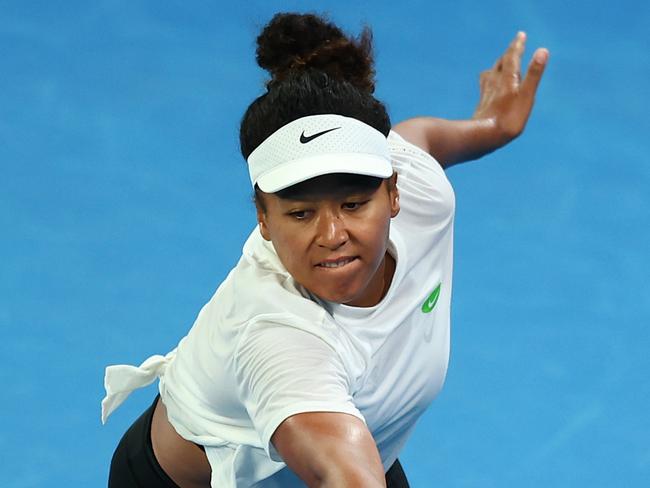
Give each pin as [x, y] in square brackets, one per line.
[336, 263]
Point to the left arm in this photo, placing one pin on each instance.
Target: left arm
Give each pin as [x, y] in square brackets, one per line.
[505, 104]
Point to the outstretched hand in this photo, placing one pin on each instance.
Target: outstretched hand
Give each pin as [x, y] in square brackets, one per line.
[507, 99]
[501, 115]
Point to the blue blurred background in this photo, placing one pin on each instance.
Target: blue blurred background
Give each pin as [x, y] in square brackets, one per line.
[124, 202]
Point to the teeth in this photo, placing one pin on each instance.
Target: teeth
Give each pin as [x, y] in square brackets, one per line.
[336, 264]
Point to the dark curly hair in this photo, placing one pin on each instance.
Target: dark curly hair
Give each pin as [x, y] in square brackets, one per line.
[315, 69]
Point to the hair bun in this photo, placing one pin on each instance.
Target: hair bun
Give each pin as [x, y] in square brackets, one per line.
[297, 42]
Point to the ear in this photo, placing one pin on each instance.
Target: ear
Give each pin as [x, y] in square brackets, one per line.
[393, 193]
[261, 220]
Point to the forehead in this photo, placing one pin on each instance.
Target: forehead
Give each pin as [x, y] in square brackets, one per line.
[335, 186]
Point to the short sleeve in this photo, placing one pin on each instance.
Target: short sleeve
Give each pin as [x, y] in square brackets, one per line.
[282, 371]
[426, 196]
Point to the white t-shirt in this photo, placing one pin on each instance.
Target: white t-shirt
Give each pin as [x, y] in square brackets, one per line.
[263, 348]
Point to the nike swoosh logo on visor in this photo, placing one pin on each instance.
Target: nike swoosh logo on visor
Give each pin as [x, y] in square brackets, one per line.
[305, 139]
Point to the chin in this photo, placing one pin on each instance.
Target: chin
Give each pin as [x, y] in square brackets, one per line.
[342, 297]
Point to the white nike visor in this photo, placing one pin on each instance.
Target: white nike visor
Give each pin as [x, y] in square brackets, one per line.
[318, 145]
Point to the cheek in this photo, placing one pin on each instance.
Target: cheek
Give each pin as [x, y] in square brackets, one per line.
[292, 254]
[375, 232]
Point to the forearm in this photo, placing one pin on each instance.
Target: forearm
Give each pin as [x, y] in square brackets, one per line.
[453, 141]
[458, 141]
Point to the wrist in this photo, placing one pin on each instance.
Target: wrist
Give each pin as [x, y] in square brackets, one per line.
[489, 134]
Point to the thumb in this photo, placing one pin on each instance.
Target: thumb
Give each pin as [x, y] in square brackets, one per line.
[535, 71]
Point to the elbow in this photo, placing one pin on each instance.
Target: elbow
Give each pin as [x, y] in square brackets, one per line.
[342, 470]
[344, 474]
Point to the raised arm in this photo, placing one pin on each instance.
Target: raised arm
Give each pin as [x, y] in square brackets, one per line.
[504, 106]
[330, 450]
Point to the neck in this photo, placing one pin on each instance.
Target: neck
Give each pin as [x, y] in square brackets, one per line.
[385, 272]
[389, 271]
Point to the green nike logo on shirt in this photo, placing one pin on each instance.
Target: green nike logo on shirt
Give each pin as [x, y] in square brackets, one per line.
[431, 300]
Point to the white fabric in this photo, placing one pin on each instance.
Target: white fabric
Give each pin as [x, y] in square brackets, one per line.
[317, 145]
[120, 380]
[263, 349]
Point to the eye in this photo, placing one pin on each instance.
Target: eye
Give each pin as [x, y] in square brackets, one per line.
[298, 214]
[353, 205]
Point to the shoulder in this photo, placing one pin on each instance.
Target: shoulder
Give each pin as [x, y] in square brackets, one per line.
[408, 157]
[422, 182]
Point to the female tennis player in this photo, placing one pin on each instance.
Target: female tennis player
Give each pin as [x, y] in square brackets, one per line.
[330, 337]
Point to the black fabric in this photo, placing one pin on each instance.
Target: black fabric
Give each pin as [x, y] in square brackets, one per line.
[395, 477]
[135, 466]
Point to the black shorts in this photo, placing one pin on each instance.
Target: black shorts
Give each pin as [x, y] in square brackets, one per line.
[135, 466]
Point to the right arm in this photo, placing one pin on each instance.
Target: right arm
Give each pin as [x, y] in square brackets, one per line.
[329, 450]
[297, 391]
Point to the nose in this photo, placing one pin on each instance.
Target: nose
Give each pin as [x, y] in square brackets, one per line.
[331, 230]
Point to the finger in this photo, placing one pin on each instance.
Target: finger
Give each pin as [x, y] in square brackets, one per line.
[512, 56]
[516, 45]
[483, 79]
[534, 74]
[498, 65]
